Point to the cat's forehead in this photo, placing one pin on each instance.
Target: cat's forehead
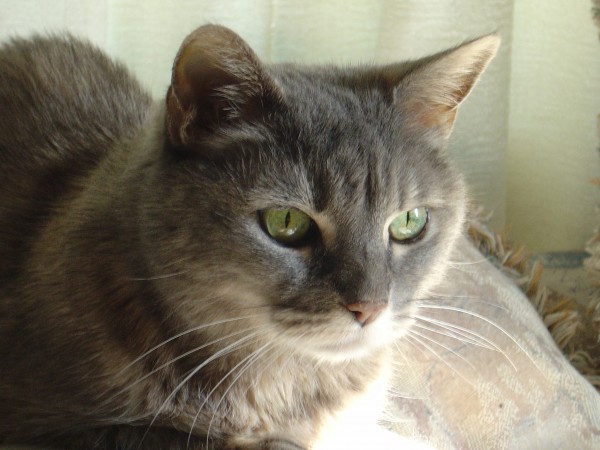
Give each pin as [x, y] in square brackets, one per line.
[343, 180]
[326, 97]
[346, 147]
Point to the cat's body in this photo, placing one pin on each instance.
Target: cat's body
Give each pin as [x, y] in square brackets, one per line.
[142, 301]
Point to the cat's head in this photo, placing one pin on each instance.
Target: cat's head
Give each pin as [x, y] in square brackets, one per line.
[310, 204]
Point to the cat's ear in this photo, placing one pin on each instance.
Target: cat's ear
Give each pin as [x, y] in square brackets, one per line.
[429, 95]
[217, 82]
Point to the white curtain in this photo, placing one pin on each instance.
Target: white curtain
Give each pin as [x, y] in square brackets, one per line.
[524, 138]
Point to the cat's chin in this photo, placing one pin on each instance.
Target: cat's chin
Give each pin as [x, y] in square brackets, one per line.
[344, 351]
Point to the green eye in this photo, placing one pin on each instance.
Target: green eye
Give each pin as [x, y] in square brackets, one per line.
[408, 225]
[289, 226]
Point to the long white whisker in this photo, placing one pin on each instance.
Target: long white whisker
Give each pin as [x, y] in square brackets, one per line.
[257, 376]
[183, 355]
[291, 347]
[492, 323]
[160, 277]
[437, 355]
[467, 263]
[183, 333]
[453, 334]
[468, 333]
[399, 394]
[247, 362]
[445, 347]
[283, 349]
[435, 297]
[453, 296]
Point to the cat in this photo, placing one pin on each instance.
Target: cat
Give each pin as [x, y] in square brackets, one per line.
[225, 268]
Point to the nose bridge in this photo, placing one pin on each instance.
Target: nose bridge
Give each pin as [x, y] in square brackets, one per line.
[362, 273]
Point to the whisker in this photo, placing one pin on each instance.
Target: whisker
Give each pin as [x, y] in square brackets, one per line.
[469, 298]
[435, 295]
[469, 333]
[399, 394]
[492, 323]
[467, 263]
[160, 277]
[183, 333]
[445, 347]
[437, 355]
[257, 376]
[170, 264]
[291, 347]
[183, 355]
[454, 335]
[247, 362]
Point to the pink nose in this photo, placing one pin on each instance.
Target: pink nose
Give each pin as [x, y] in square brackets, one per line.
[366, 312]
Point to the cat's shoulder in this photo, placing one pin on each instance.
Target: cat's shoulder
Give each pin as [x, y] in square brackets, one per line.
[61, 95]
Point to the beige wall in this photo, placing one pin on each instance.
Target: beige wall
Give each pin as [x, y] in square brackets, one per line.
[555, 97]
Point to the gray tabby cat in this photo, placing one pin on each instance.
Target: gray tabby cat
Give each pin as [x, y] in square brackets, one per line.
[228, 268]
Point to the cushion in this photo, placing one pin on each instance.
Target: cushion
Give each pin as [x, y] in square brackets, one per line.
[481, 371]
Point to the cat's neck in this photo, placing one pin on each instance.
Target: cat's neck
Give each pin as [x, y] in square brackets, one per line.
[273, 392]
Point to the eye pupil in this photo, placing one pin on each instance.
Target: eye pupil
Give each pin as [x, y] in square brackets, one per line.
[287, 219]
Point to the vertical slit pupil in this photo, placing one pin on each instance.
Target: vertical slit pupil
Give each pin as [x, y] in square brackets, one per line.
[287, 219]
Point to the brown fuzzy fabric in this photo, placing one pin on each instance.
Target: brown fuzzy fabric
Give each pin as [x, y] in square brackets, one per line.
[592, 264]
[575, 329]
[593, 245]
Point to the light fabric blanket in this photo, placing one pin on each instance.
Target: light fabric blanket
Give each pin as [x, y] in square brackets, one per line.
[480, 371]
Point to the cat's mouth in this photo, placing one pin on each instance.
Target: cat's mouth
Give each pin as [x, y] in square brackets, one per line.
[343, 338]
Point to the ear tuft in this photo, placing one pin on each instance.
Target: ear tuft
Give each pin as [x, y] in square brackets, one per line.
[217, 80]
